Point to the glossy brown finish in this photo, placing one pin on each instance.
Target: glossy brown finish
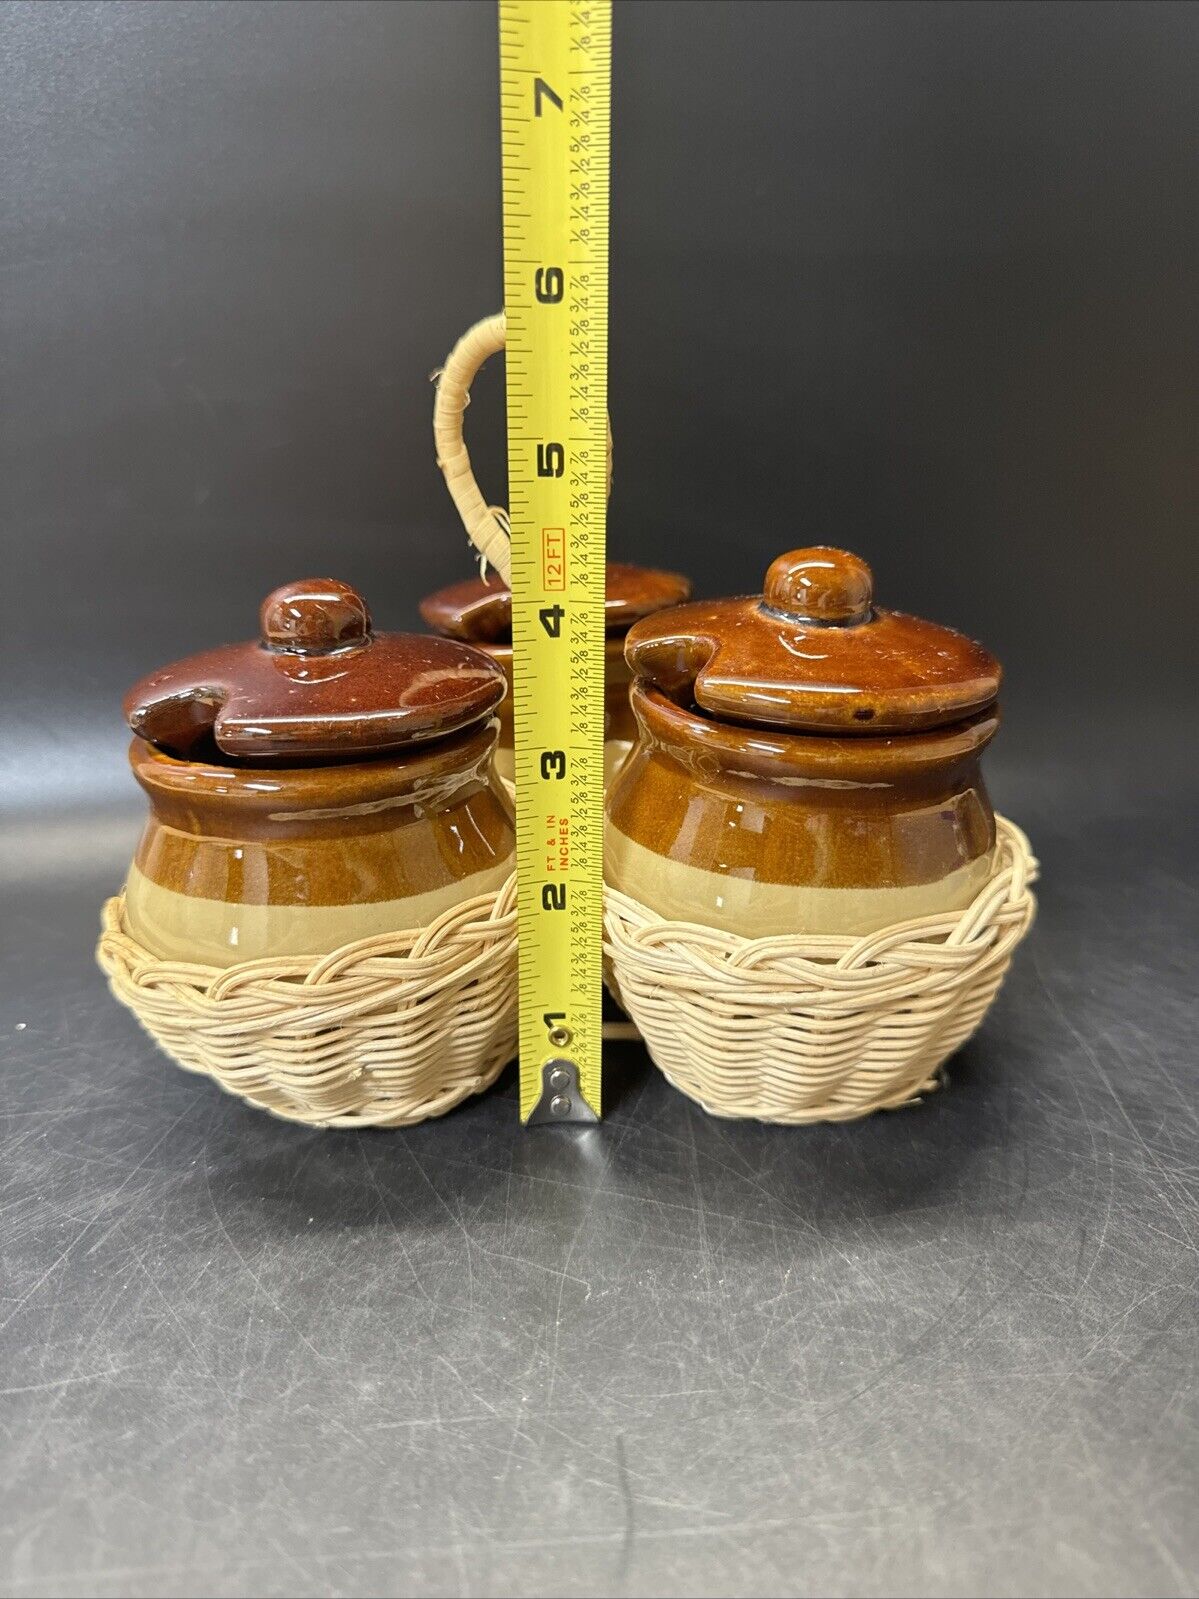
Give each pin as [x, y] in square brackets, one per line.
[319, 687]
[795, 809]
[479, 610]
[814, 654]
[360, 833]
[820, 585]
[199, 797]
[314, 617]
[804, 761]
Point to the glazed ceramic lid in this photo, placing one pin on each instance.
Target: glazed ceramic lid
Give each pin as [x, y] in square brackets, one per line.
[814, 653]
[318, 685]
[480, 609]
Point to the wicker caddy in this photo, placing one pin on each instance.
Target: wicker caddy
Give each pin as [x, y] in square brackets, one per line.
[816, 1028]
[384, 1032]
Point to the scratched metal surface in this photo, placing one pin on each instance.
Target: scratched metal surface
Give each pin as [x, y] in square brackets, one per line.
[950, 1350]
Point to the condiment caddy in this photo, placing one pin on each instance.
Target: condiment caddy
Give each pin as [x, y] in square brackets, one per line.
[809, 904]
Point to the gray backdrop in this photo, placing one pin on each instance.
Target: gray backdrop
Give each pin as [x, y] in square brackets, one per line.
[917, 278]
[921, 279]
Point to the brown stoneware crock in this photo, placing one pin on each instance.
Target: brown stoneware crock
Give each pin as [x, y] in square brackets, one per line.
[324, 784]
[479, 611]
[805, 761]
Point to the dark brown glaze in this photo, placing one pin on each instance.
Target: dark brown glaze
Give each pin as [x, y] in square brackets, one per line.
[813, 653]
[320, 686]
[314, 617]
[479, 610]
[820, 584]
[199, 797]
[357, 833]
[795, 809]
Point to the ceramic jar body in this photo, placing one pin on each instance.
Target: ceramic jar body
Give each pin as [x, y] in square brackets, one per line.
[239, 862]
[762, 832]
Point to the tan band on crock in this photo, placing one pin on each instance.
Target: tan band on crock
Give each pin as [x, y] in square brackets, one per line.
[383, 1032]
[486, 525]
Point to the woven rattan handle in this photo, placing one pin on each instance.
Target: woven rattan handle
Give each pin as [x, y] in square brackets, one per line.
[486, 525]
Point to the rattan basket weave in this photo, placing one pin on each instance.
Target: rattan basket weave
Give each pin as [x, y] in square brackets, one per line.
[817, 1028]
[381, 1033]
[486, 525]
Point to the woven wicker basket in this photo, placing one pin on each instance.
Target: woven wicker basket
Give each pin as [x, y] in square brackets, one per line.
[381, 1033]
[817, 1028]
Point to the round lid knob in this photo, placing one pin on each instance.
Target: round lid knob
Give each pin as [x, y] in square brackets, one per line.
[820, 585]
[314, 617]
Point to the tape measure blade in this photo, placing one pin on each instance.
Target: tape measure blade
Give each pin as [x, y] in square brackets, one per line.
[555, 93]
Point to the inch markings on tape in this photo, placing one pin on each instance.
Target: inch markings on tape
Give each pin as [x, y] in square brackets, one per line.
[555, 93]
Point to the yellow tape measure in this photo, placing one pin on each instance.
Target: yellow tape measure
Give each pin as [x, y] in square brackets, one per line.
[555, 77]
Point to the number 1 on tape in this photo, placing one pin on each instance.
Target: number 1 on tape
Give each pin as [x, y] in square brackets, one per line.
[555, 70]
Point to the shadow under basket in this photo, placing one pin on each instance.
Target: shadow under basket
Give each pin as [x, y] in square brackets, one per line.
[811, 1028]
[383, 1032]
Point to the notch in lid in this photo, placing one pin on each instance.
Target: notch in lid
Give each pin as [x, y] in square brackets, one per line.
[813, 653]
[319, 685]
